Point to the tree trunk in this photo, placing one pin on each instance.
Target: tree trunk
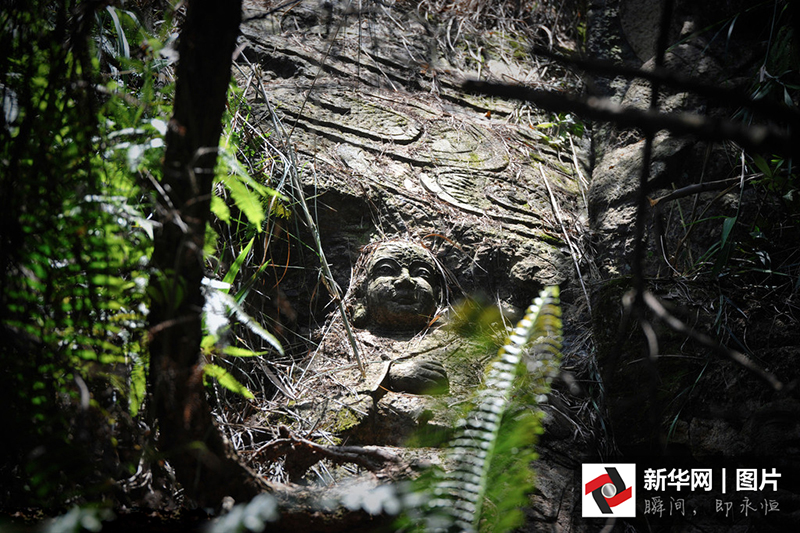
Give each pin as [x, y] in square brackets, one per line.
[204, 464]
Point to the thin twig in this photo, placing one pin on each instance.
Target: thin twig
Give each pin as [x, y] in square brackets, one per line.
[676, 324]
[572, 247]
[583, 183]
[371, 458]
[328, 280]
[668, 78]
[697, 188]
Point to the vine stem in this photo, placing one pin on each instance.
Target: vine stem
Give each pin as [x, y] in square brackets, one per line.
[327, 277]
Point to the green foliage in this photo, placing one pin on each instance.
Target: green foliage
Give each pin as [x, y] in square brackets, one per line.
[743, 249]
[778, 176]
[249, 194]
[747, 249]
[778, 79]
[87, 94]
[76, 237]
[494, 447]
[557, 132]
[138, 385]
[219, 307]
[241, 207]
[226, 380]
[481, 322]
[230, 276]
[779, 76]
[725, 245]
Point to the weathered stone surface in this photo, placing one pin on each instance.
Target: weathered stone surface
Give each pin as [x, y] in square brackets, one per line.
[639, 20]
[715, 437]
[420, 154]
[613, 194]
[390, 148]
[421, 376]
[393, 150]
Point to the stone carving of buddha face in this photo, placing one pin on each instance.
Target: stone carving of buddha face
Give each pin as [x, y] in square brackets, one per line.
[403, 286]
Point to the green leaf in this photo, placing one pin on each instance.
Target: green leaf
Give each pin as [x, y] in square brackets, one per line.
[138, 387]
[244, 290]
[762, 165]
[235, 351]
[727, 227]
[787, 98]
[225, 379]
[208, 341]
[210, 241]
[247, 200]
[247, 320]
[235, 168]
[237, 264]
[726, 245]
[112, 281]
[220, 209]
[123, 49]
[281, 211]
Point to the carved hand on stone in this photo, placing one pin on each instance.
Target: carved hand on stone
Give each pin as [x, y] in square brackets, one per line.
[418, 376]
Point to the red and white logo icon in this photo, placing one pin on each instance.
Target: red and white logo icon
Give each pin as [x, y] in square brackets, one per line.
[609, 489]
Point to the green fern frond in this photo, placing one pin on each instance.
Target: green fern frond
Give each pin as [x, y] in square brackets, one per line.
[502, 413]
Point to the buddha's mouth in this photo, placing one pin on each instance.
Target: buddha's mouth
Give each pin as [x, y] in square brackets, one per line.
[405, 297]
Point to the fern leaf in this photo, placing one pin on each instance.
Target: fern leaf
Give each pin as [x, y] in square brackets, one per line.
[530, 354]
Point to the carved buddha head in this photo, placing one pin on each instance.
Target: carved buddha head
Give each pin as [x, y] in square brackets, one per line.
[402, 289]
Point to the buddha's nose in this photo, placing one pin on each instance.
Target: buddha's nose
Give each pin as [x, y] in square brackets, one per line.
[404, 279]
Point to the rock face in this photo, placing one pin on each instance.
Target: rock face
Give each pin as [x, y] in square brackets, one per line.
[396, 149]
[490, 197]
[422, 195]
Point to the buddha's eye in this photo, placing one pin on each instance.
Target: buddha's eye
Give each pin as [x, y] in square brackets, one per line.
[385, 268]
[422, 271]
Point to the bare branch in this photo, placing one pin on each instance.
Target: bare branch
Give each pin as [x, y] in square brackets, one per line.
[720, 95]
[301, 454]
[696, 188]
[756, 138]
